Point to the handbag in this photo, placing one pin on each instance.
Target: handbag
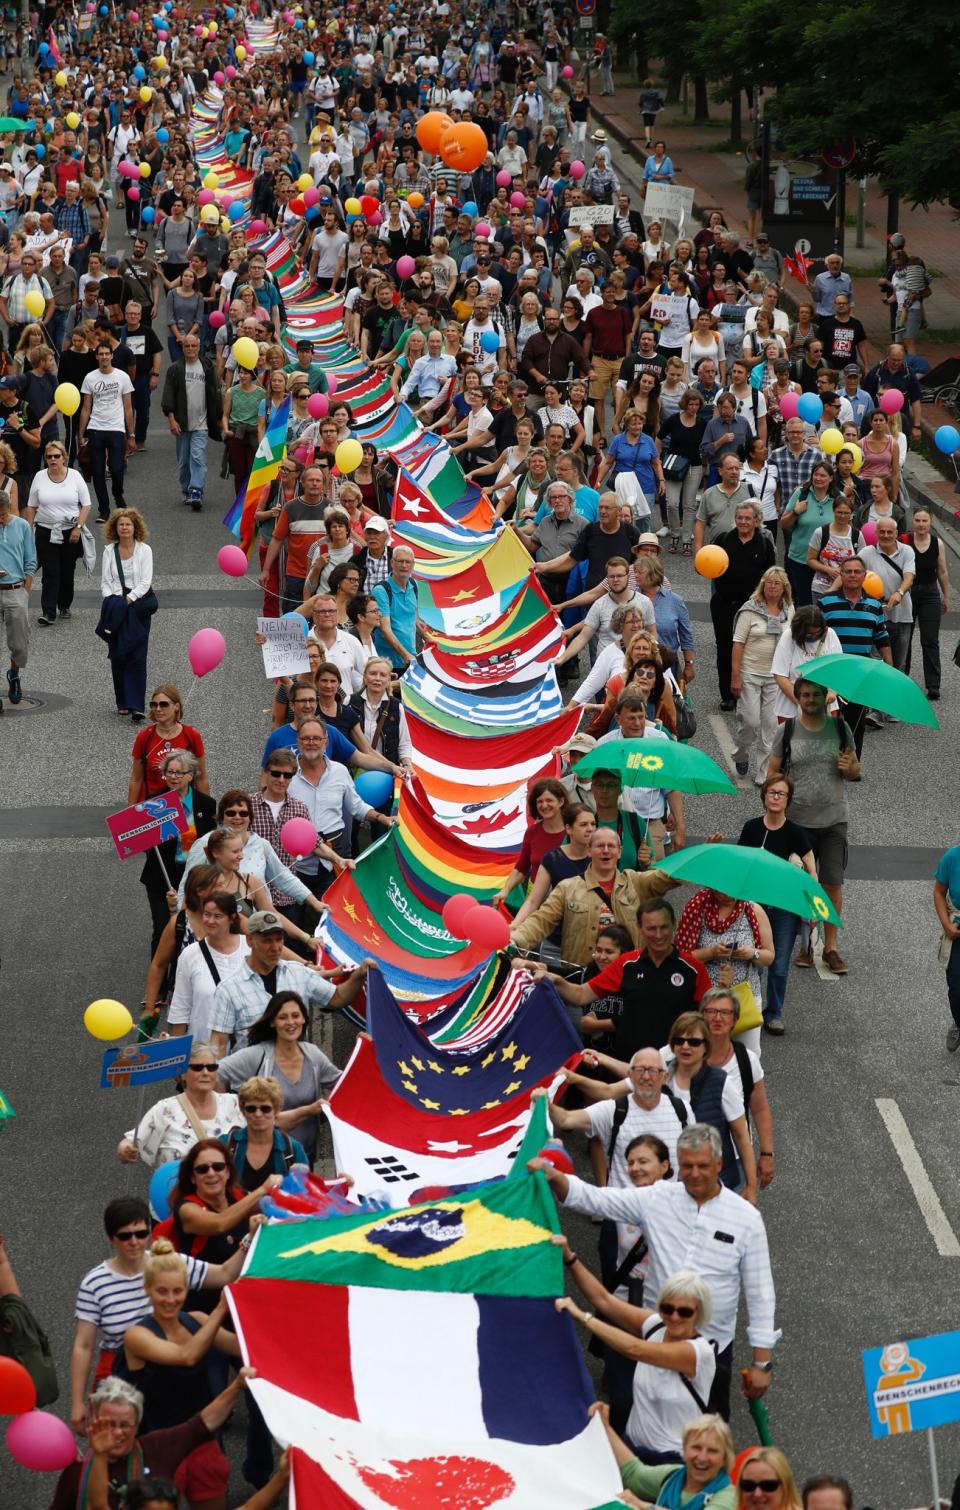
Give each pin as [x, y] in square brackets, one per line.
[686, 718]
[675, 467]
[146, 605]
[750, 1013]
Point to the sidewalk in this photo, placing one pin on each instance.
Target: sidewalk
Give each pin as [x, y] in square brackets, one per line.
[716, 178]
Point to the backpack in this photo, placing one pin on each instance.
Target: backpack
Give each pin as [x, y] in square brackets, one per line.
[620, 1116]
[22, 1339]
[286, 1146]
[716, 1401]
[788, 728]
[746, 1075]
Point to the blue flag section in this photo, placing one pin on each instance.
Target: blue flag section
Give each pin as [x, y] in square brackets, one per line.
[139, 1063]
[913, 1385]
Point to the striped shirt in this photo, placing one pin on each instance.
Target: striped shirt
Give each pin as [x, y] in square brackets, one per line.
[660, 1122]
[859, 626]
[113, 1301]
[724, 1241]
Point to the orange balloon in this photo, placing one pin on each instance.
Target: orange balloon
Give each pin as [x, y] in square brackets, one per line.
[415, 200]
[431, 128]
[464, 147]
[873, 585]
[711, 561]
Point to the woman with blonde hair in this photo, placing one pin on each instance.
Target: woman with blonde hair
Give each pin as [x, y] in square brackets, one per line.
[128, 601]
[31, 337]
[57, 508]
[702, 1479]
[757, 628]
[8, 483]
[766, 1482]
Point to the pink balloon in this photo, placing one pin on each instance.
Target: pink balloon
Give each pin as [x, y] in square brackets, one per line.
[406, 267]
[41, 1441]
[311, 197]
[230, 71]
[790, 405]
[232, 561]
[577, 169]
[162, 36]
[503, 179]
[891, 402]
[332, 381]
[481, 228]
[198, 31]
[256, 228]
[566, 71]
[485, 927]
[225, 203]
[454, 913]
[304, 454]
[869, 532]
[133, 193]
[216, 319]
[375, 218]
[518, 200]
[298, 837]
[219, 77]
[318, 405]
[205, 651]
[128, 170]
[134, 16]
[206, 196]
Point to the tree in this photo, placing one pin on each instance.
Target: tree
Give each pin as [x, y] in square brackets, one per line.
[643, 22]
[925, 164]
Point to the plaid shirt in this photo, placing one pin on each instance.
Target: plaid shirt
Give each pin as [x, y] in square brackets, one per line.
[241, 999]
[15, 292]
[794, 471]
[268, 827]
[73, 219]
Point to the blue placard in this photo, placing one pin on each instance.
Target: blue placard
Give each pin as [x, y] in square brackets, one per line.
[913, 1385]
[137, 1063]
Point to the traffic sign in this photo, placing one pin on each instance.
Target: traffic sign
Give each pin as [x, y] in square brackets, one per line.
[586, 7]
[840, 154]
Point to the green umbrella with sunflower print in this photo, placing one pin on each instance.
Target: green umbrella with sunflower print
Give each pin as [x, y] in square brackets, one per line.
[657, 762]
[752, 875]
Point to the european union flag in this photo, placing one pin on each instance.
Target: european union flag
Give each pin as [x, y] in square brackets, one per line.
[536, 1040]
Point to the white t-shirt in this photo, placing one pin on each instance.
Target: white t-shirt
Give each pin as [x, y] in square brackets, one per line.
[732, 1070]
[745, 408]
[600, 615]
[193, 992]
[107, 391]
[328, 249]
[788, 660]
[58, 503]
[662, 1403]
[113, 1302]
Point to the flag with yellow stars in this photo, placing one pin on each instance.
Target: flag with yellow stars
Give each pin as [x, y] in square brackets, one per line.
[522, 1053]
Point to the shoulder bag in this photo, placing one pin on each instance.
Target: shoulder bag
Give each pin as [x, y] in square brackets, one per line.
[147, 605]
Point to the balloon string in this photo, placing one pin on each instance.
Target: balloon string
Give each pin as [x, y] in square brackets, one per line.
[190, 693]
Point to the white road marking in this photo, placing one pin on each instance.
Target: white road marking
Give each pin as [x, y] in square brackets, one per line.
[824, 971]
[724, 736]
[931, 1210]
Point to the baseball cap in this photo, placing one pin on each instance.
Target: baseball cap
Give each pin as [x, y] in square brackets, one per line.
[762, 236]
[5, 168]
[113, 262]
[264, 922]
[851, 370]
[376, 523]
[582, 743]
[647, 538]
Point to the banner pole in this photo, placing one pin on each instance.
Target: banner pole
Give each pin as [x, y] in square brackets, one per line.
[934, 1475]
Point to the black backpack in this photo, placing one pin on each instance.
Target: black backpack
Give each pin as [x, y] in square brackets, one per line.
[620, 1116]
[717, 1400]
[22, 1339]
[788, 727]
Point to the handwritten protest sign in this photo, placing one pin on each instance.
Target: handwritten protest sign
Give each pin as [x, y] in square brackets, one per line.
[285, 646]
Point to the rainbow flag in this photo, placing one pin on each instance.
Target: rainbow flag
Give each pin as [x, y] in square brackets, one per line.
[266, 466]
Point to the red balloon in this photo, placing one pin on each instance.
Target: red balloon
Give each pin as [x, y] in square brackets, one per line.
[485, 927]
[454, 912]
[18, 1393]
[298, 205]
[554, 1153]
[368, 204]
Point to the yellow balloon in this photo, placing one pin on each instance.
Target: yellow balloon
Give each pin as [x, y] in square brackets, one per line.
[60, 79]
[240, 52]
[831, 441]
[146, 95]
[210, 214]
[311, 24]
[212, 28]
[226, 224]
[160, 63]
[144, 170]
[349, 455]
[211, 181]
[850, 445]
[247, 354]
[35, 303]
[73, 120]
[353, 206]
[305, 181]
[67, 398]
[107, 1019]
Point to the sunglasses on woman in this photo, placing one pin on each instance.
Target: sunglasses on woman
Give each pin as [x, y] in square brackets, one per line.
[765, 1486]
[265, 1108]
[209, 1168]
[132, 1234]
[684, 1312]
[691, 1043]
[160, 702]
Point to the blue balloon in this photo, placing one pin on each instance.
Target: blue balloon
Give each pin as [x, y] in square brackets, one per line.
[148, 214]
[104, 10]
[471, 209]
[810, 408]
[163, 136]
[236, 211]
[308, 58]
[40, 150]
[312, 213]
[230, 13]
[490, 341]
[298, 24]
[139, 72]
[947, 439]
[162, 1182]
[375, 787]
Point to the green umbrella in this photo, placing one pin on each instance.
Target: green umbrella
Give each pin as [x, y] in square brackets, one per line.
[13, 123]
[861, 679]
[751, 875]
[658, 762]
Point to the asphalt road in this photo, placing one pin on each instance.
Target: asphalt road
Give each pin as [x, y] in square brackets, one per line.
[855, 1260]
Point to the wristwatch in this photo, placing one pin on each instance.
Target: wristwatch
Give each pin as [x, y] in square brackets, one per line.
[763, 1368]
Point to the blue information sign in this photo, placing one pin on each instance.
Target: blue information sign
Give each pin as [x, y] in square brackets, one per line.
[913, 1385]
[138, 1063]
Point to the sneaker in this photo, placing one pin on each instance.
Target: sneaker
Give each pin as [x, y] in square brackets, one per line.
[727, 705]
[873, 720]
[65, 613]
[137, 718]
[13, 677]
[774, 1025]
[43, 619]
[662, 533]
[195, 499]
[803, 958]
[833, 962]
[742, 767]
[933, 696]
[953, 1039]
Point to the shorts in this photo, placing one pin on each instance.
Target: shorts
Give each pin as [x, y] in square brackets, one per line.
[754, 203]
[831, 850]
[649, 120]
[204, 1473]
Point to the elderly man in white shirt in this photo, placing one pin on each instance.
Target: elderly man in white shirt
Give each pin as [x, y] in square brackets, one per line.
[695, 1223]
[333, 803]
